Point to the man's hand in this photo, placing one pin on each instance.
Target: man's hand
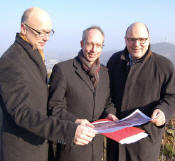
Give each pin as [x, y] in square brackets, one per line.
[84, 122]
[158, 117]
[83, 135]
[111, 117]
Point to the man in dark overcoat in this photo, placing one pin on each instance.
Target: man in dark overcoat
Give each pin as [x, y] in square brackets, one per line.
[24, 96]
[141, 79]
[80, 88]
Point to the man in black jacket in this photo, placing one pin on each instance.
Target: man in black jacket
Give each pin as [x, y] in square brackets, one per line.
[24, 95]
[145, 80]
[80, 87]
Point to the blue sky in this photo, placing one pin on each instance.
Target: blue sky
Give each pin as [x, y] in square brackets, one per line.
[71, 17]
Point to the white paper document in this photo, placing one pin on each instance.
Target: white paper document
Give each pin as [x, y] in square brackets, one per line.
[134, 119]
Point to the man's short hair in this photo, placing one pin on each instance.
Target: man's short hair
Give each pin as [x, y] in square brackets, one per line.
[91, 28]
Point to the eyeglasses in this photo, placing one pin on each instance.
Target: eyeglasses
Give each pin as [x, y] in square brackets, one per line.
[39, 33]
[140, 40]
[91, 45]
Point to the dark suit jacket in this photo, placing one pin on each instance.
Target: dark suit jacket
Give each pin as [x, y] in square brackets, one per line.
[23, 98]
[72, 93]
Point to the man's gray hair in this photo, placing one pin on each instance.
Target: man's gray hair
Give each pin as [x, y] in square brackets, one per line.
[91, 28]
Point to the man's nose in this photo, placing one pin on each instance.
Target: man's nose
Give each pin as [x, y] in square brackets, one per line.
[94, 47]
[46, 37]
[136, 43]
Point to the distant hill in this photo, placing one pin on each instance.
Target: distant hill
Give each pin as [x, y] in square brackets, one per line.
[106, 55]
[163, 48]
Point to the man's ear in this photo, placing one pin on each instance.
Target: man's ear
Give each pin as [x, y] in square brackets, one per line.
[82, 43]
[125, 40]
[23, 29]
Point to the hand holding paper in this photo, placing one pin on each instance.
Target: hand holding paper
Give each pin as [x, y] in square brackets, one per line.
[83, 135]
[158, 117]
[112, 117]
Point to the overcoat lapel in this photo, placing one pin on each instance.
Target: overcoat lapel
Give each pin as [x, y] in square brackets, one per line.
[81, 73]
[36, 58]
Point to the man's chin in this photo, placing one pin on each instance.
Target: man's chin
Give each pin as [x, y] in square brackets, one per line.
[138, 55]
[40, 47]
[91, 60]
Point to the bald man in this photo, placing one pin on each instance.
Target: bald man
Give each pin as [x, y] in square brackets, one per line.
[144, 80]
[24, 95]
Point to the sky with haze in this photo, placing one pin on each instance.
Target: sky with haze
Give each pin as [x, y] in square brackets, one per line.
[71, 17]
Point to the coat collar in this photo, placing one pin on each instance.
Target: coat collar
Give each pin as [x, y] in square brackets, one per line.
[125, 56]
[34, 55]
[82, 74]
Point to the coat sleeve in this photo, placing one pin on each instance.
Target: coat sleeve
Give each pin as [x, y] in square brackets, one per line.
[167, 94]
[57, 95]
[16, 104]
